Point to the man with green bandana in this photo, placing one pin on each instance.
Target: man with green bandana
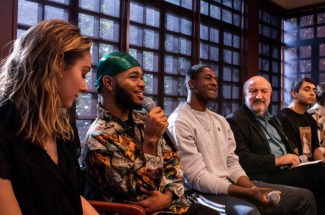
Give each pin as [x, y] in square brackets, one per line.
[125, 157]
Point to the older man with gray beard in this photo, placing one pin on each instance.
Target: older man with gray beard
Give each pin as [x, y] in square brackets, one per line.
[263, 148]
[211, 168]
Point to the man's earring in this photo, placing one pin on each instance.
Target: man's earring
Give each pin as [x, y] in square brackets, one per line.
[61, 74]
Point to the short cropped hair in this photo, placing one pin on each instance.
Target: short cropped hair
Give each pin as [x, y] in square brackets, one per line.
[320, 93]
[296, 85]
[193, 72]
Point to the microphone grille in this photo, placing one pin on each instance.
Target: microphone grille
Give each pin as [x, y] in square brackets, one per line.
[274, 197]
[303, 158]
[148, 104]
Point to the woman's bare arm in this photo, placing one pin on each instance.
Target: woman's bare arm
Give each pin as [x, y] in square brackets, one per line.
[87, 208]
[8, 201]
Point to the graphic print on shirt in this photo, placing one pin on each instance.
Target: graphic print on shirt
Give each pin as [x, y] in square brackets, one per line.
[305, 136]
[113, 158]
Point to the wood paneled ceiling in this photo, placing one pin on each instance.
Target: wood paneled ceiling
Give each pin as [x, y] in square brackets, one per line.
[290, 4]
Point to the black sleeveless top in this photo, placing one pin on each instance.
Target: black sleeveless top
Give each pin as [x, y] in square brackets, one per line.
[40, 186]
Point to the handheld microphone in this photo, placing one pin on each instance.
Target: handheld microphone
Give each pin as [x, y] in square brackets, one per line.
[273, 197]
[148, 105]
[286, 166]
[303, 158]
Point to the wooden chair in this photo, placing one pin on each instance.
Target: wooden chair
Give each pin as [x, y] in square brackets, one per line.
[110, 207]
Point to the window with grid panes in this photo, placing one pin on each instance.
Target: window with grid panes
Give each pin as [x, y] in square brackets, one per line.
[160, 38]
[270, 56]
[32, 12]
[144, 43]
[97, 19]
[304, 39]
[220, 49]
[177, 59]
[183, 3]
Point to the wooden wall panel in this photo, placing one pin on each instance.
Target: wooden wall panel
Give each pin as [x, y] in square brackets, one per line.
[250, 39]
[8, 25]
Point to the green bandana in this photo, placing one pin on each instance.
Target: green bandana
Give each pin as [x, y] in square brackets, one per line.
[113, 64]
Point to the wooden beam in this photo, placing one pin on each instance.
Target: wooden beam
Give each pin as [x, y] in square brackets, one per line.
[196, 32]
[8, 25]
[250, 40]
[300, 9]
[272, 7]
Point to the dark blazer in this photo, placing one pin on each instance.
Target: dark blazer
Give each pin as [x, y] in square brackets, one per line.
[252, 146]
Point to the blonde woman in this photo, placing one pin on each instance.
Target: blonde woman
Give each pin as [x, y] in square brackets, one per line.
[43, 75]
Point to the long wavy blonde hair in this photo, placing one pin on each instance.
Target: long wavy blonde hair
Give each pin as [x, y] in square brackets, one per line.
[28, 77]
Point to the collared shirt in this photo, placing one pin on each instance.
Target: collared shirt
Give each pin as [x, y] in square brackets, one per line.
[113, 157]
[273, 137]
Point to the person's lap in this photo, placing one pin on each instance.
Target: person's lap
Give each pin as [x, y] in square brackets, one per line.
[311, 177]
[293, 200]
[197, 209]
[233, 205]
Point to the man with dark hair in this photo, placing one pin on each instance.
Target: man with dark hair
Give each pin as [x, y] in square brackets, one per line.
[296, 85]
[211, 168]
[263, 149]
[297, 124]
[318, 113]
[125, 155]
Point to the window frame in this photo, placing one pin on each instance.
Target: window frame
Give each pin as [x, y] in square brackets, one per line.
[124, 34]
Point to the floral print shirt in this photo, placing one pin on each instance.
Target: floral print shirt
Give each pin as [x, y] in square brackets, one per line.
[113, 157]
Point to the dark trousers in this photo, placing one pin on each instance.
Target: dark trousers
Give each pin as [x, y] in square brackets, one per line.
[311, 177]
[294, 201]
[198, 209]
[233, 205]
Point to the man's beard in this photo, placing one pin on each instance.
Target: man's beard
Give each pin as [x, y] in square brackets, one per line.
[124, 98]
[259, 111]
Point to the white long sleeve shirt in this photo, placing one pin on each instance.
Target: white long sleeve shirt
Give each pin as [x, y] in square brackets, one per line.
[206, 149]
